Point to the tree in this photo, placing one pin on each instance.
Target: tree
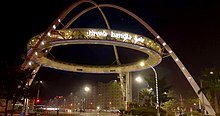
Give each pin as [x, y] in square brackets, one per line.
[9, 83]
[163, 89]
[146, 95]
[14, 84]
[210, 81]
[173, 103]
[192, 102]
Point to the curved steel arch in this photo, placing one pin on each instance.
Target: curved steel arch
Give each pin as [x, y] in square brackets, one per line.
[56, 22]
[187, 75]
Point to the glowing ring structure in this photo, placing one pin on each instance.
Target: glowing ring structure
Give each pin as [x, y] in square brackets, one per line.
[104, 37]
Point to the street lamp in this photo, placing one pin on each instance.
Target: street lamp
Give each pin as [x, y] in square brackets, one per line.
[157, 92]
[86, 89]
[38, 89]
[139, 80]
[156, 87]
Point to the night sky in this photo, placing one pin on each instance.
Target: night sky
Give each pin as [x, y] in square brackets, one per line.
[189, 27]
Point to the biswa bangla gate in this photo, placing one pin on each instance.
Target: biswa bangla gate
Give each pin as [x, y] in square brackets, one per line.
[155, 48]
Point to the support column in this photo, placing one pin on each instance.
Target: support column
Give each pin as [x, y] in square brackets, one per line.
[26, 108]
[128, 89]
[123, 89]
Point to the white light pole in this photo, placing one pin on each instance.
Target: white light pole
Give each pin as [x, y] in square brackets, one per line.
[215, 94]
[157, 92]
[156, 87]
[38, 89]
[86, 89]
[139, 80]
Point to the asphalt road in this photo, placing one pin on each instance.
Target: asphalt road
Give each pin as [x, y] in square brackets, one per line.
[86, 114]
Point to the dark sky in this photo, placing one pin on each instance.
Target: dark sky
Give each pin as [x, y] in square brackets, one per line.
[190, 28]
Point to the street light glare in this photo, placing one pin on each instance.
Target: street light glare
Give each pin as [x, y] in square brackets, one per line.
[151, 89]
[142, 64]
[138, 79]
[87, 88]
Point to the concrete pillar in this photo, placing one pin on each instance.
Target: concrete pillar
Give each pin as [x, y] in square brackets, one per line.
[128, 89]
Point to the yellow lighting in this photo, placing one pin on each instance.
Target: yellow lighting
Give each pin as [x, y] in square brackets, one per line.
[164, 44]
[54, 26]
[42, 43]
[158, 36]
[176, 59]
[36, 53]
[48, 33]
[170, 51]
[59, 20]
[29, 63]
[142, 64]
[87, 88]
[138, 79]
[189, 78]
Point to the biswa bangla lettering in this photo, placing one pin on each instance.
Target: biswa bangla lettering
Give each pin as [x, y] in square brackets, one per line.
[124, 36]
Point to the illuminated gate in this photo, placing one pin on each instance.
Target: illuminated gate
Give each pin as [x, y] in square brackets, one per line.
[40, 45]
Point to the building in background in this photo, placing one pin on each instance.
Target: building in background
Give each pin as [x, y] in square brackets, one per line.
[109, 95]
[105, 96]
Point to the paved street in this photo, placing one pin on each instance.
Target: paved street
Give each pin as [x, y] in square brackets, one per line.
[96, 114]
[85, 114]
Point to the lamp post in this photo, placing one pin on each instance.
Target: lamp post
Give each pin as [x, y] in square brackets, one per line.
[216, 80]
[157, 92]
[156, 87]
[38, 92]
[86, 89]
[38, 89]
[139, 80]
